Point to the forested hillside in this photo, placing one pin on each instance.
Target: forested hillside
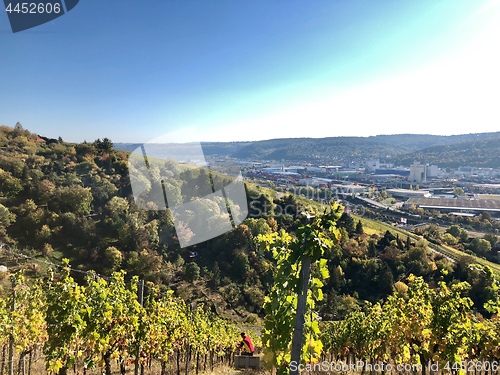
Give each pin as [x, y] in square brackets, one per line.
[400, 148]
[475, 153]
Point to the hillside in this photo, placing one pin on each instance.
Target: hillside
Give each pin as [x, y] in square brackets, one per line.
[475, 153]
[74, 200]
[338, 149]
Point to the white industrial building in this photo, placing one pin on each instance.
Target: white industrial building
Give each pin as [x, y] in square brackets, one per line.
[373, 165]
[418, 173]
[406, 193]
[432, 171]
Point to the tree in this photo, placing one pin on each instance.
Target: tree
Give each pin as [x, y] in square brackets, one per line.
[192, 272]
[76, 199]
[491, 238]
[408, 243]
[359, 227]
[44, 191]
[449, 239]
[117, 207]
[458, 191]
[432, 231]
[106, 145]
[44, 234]
[372, 249]
[346, 221]
[112, 258]
[102, 190]
[10, 186]
[6, 218]
[240, 265]
[485, 216]
[464, 235]
[454, 230]
[387, 239]
[258, 226]
[480, 246]
[18, 127]
[47, 250]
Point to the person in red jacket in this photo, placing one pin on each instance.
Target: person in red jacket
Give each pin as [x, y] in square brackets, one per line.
[246, 344]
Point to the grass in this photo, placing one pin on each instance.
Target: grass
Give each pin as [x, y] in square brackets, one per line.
[389, 201]
[374, 227]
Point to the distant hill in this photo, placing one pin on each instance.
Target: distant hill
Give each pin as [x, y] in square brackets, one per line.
[475, 153]
[341, 149]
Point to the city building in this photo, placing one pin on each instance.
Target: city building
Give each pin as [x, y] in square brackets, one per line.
[432, 171]
[406, 193]
[418, 173]
[372, 165]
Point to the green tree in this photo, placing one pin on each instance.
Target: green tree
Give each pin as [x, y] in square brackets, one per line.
[458, 191]
[10, 186]
[346, 221]
[432, 231]
[454, 230]
[258, 226]
[359, 228]
[106, 145]
[480, 246]
[449, 239]
[113, 258]
[491, 238]
[76, 199]
[192, 272]
[240, 265]
[6, 218]
[464, 236]
[102, 190]
[44, 234]
[44, 191]
[408, 243]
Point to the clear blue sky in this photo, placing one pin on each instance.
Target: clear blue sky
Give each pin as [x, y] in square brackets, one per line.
[246, 70]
